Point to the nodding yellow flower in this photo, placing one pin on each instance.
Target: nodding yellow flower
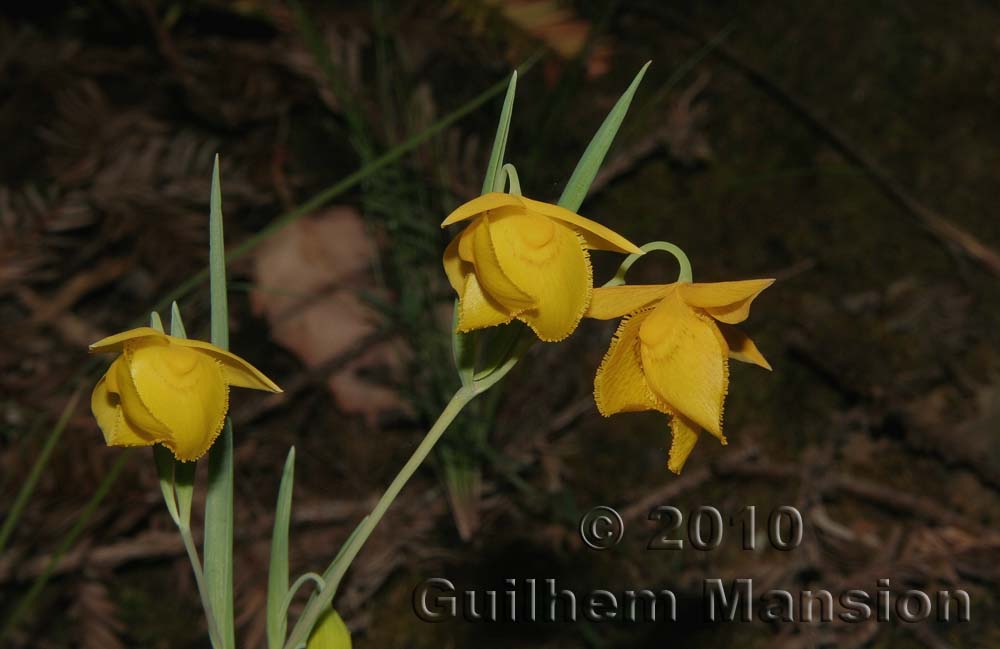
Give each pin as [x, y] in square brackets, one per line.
[168, 390]
[521, 258]
[671, 354]
[330, 632]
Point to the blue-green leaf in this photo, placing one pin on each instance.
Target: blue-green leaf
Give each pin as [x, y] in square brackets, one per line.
[579, 183]
[277, 578]
[219, 496]
[500, 140]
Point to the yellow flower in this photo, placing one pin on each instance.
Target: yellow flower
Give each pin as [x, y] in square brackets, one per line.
[167, 390]
[330, 633]
[524, 259]
[673, 357]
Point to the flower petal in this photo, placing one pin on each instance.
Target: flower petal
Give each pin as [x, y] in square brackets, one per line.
[491, 275]
[547, 261]
[685, 436]
[596, 236]
[741, 347]
[476, 310]
[104, 403]
[481, 204]
[183, 389]
[117, 342]
[725, 301]
[235, 370]
[136, 413]
[615, 301]
[619, 385]
[455, 267]
[684, 359]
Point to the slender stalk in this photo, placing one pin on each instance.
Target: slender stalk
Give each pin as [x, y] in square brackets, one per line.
[199, 578]
[315, 608]
[28, 488]
[88, 511]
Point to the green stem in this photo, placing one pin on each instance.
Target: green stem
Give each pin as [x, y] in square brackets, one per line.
[315, 608]
[88, 511]
[684, 274]
[199, 578]
[28, 488]
[309, 576]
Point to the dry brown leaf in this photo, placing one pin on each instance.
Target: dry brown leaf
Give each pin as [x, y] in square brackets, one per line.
[308, 279]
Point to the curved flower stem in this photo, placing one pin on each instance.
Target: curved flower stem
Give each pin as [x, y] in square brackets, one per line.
[508, 180]
[335, 573]
[199, 578]
[309, 576]
[684, 274]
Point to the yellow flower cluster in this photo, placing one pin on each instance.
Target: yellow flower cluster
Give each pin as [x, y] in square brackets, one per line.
[524, 259]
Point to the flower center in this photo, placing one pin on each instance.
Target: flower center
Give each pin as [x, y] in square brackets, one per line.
[537, 232]
[180, 360]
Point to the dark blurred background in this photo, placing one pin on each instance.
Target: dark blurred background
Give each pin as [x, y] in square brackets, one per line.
[849, 149]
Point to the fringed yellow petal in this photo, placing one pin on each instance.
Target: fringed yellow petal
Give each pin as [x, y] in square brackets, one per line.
[185, 390]
[685, 436]
[476, 310]
[104, 403]
[725, 301]
[137, 414]
[616, 301]
[481, 204]
[741, 348]
[684, 359]
[465, 242]
[455, 267]
[547, 261]
[596, 236]
[117, 342]
[492, 276]
[235, 370]
[619, 385]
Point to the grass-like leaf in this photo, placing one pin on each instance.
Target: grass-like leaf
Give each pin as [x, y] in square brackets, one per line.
[219, 497]
[277, 577]
[579, 183]
[28, 488]
[500, 140]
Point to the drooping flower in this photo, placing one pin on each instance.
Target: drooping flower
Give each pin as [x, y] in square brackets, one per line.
[521, 258]
[671, 353]
[330, 632]
[167, 390]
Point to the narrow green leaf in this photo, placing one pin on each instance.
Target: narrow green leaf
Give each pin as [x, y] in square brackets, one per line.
[219, 497]
[579, 183]
[217, 265]
[277, 578]
[67, 542]
[183, 471]
[500, 140]
[162, 456]
[28, 488]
